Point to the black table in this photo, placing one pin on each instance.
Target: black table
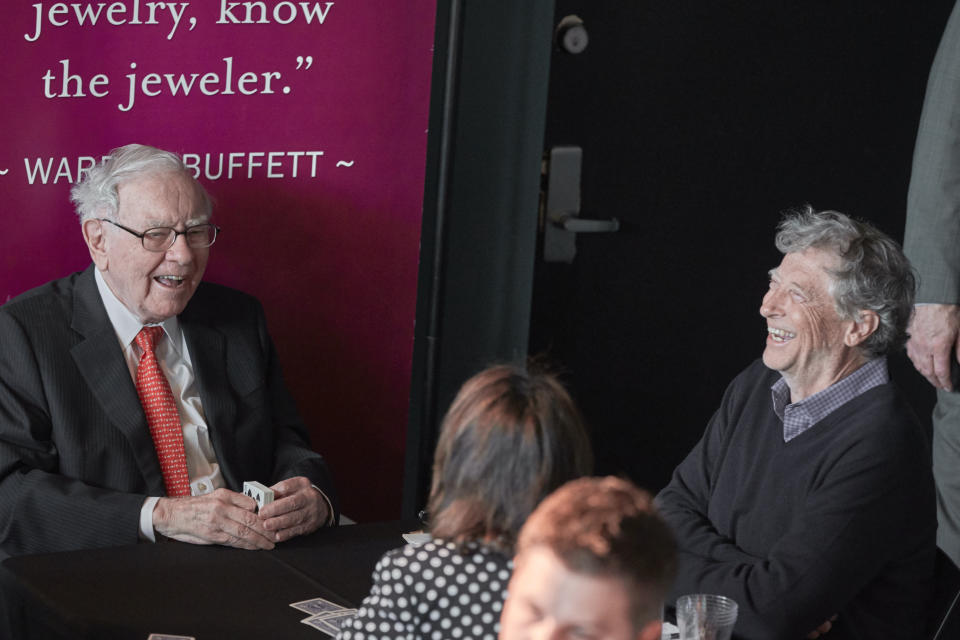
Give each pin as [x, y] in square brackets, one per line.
[201, 591]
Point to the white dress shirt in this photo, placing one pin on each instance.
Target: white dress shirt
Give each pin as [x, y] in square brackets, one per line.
[174, 359]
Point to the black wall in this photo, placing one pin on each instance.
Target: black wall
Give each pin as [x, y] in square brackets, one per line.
[700, 122]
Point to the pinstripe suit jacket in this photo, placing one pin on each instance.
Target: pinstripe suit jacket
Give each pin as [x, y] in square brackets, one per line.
[932, 237]
[76, 457]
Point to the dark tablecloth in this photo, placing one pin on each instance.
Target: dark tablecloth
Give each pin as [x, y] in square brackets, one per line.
[201, 591]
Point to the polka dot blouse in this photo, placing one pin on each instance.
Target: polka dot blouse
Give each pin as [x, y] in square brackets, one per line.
[433, 591]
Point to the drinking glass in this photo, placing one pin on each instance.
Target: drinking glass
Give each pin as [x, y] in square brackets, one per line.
[704, 616]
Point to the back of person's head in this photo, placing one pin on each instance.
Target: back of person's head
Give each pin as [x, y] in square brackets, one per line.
[510, 437]
[96, 194]
[593, 558]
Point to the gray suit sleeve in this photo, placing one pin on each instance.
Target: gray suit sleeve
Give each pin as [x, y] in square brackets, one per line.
[932, 237]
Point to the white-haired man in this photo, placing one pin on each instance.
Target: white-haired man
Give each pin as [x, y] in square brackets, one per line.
[809, 499]
[135, 399]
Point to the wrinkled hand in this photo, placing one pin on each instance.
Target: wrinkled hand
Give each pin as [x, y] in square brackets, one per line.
[297, 509]
[933, 342]
[822, 629]
[222, 517]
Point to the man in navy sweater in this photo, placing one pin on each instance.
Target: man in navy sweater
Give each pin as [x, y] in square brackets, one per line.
[809, 499]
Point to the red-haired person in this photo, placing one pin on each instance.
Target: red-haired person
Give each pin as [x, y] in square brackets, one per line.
[593, 561]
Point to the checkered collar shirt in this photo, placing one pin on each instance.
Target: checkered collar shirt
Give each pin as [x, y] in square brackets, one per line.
[800, 416]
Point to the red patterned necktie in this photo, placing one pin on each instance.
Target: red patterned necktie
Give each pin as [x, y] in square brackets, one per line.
[162, 416]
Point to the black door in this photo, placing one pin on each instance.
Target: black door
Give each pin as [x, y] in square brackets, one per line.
[699, 122]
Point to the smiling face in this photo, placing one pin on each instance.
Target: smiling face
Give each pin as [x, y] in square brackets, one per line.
[807, 340]
[154, 286]
[548, 600]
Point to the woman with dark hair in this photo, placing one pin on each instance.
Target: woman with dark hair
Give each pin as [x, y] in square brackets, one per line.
[509, 439]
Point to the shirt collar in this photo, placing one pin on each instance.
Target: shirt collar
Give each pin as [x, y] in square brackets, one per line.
[125, 323]
[800, 416]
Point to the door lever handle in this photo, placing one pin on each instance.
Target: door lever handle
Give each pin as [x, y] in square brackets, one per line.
[581, 225]
[562, 216]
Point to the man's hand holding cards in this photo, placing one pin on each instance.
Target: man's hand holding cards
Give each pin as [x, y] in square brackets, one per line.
[257, 518]
[298, 508]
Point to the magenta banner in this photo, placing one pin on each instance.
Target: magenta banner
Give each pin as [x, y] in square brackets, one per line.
[307, 122]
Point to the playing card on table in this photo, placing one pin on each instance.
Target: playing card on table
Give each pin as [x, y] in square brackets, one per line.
[417, 538]
[329, 623]
[318, 606]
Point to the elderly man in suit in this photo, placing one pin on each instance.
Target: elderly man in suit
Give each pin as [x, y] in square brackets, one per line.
[932, 242]
[136, 399]
[809, 499]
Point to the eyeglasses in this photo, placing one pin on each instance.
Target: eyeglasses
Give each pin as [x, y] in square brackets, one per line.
[159, 239]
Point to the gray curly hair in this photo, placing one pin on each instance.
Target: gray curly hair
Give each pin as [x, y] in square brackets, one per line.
[873, 274]
[96, 195]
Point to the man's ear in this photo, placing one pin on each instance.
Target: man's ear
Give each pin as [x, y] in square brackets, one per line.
[96, 241]
[862, 328]
[651, 631]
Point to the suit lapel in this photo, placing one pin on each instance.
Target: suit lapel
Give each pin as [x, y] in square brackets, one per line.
[208, 353]
[102, 365]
